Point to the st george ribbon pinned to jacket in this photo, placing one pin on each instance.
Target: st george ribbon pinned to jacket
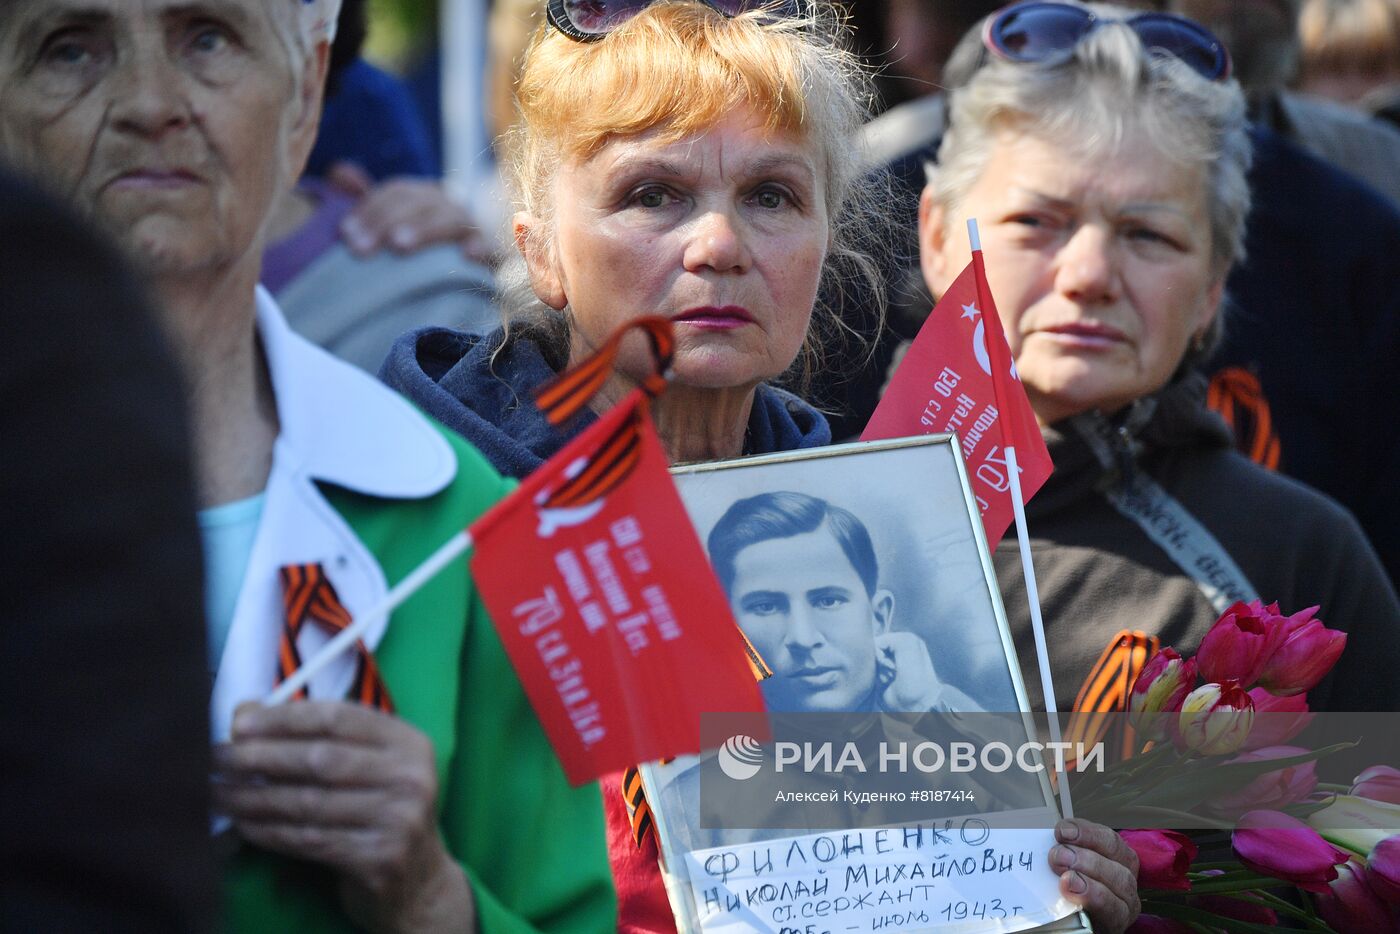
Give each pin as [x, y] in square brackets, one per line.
[601, 591]
[309, 597]
[951, 381]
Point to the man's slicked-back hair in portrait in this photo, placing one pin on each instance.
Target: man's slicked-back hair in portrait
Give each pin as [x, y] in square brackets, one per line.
[768, 516]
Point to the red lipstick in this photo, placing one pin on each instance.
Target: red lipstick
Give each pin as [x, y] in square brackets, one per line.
[710, 318]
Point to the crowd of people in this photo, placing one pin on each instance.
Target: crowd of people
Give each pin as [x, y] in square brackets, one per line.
[281, 351]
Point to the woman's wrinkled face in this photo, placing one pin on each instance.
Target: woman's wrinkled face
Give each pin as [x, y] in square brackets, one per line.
[172, 122]
[1100, 268]
[723, 232]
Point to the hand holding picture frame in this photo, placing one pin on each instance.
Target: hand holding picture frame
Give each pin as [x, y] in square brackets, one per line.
[861, 575]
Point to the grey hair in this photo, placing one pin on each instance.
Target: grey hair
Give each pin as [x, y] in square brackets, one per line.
[287, 19]
[287, 16]
[1088, 102]
[837, 97]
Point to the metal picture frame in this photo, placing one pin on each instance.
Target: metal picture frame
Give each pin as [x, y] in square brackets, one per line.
[935, 575]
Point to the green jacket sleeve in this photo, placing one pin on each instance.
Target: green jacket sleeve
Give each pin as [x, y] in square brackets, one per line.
[527, 840]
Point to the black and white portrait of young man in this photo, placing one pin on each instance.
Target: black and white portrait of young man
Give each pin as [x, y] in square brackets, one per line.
[804, 584]
[858, 579]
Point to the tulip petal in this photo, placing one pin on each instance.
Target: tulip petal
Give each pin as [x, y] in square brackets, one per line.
[1236, 648]
[1383, 869]
[1379, 783]
[1164, 857]
[1215, 719]
[1272, 789]
[1275, 844]
[1303, 659]
[1351, 906]
[1276, 719]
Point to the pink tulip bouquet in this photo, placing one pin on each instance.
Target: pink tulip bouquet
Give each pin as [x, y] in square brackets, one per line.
[1216, 755]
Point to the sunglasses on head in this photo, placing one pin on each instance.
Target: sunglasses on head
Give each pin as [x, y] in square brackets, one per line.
[1040, 32]
[591, 20]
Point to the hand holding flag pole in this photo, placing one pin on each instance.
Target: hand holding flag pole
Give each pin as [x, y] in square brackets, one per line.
[997, 351]
[597, 585]
[560, 399]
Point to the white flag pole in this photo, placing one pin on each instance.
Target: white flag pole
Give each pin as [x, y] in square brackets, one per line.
[1047, 685]
[453, 548]
[1037, 626]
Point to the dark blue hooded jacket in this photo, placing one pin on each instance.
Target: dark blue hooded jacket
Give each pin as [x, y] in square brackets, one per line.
[452, 376]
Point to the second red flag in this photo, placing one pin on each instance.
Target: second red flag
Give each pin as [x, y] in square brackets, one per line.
[945, 384]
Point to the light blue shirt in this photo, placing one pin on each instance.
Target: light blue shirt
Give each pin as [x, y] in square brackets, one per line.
[228, 532]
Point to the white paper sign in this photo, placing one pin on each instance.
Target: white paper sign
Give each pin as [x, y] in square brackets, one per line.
[972, 878]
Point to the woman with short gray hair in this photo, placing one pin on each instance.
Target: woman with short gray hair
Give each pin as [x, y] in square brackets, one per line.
[1104, 154]
[1112, 86]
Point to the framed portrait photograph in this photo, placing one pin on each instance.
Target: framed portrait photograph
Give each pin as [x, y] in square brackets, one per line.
[861, 578]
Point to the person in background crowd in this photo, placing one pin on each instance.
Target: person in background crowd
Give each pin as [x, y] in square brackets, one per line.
[923, 34]
[374, 146]
[353, 264]
[1263, 41]
[896, 144]
[369, 118]
[103, 734]
[177, 127]
[509, 27]
[1319, 291]
[721, 205]
[1108, 173]
[1317, 294]
[1350, 53]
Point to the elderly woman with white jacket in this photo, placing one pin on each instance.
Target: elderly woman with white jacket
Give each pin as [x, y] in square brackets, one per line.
[380, 803]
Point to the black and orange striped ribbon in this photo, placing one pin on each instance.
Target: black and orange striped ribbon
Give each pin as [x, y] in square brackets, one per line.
[1107, 690]
[608, 465]
[309, 596]
[563, 397]
[638, 811]
[1236, 396]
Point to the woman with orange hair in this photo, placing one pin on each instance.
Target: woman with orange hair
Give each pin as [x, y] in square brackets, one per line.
[691, 160]
[691, 165]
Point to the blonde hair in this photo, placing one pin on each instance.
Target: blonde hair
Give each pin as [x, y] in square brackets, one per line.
[1350, 36]
[1108, 86]
[680, 68]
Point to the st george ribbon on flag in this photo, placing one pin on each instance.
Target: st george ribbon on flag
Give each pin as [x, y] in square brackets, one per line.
[958, 377]
[599, 588]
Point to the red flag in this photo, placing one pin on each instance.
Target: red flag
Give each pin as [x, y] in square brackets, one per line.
[602, 594]
[945, 383]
